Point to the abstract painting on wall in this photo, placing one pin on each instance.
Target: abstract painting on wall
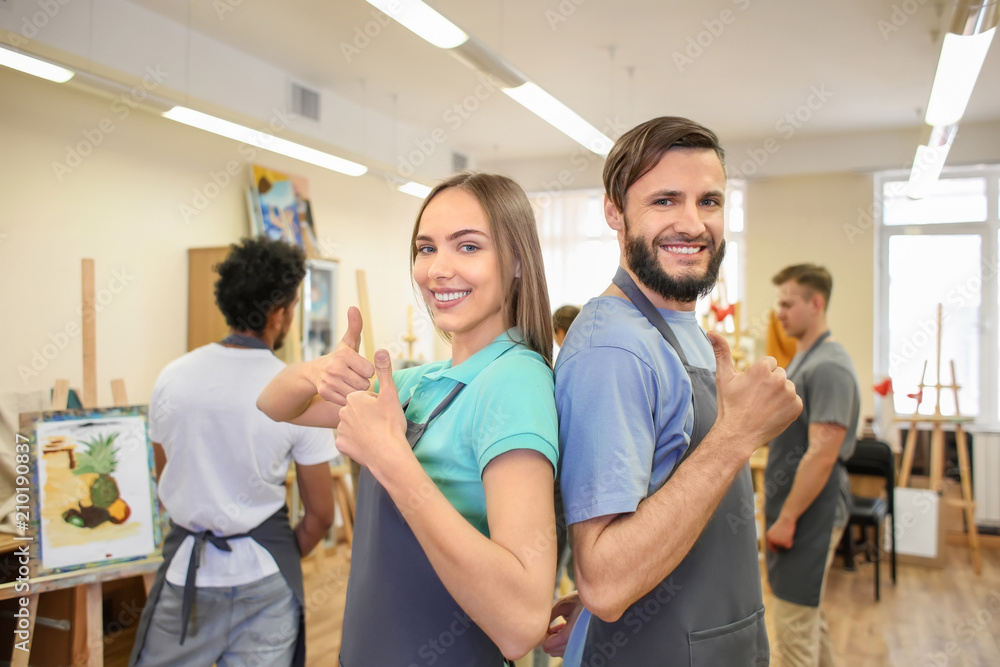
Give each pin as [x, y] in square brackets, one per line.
[279, 208]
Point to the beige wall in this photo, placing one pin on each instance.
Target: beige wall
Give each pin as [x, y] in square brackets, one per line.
[121, 206]
[823, 218]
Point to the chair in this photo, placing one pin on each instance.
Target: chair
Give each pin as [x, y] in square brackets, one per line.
[874, 458]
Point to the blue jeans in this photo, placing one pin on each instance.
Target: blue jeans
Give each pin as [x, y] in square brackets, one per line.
[252, 625]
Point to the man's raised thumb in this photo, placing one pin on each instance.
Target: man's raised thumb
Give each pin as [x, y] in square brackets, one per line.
[383, 370]
[354, 324]
[724, 370]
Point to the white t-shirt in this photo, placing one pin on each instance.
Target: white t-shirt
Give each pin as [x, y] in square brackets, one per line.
[226, 460]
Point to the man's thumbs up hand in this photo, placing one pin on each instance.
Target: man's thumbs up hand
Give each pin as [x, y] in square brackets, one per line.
[753, 406]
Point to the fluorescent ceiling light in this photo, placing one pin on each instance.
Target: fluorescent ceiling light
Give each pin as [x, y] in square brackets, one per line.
[263, 140]
[34, 66]
[424, 21]
[928, 161]
[416, 189]
[561, 117]
[961, 59]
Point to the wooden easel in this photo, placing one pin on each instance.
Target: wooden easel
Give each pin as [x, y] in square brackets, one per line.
[937, 422]
[87, 624]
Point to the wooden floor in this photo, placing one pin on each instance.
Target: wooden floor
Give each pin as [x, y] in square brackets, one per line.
[931, 618]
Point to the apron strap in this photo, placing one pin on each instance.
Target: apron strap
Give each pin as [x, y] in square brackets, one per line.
[193, 563]
[415, 431]
[244, 341]
[625, 283]
[790, 371]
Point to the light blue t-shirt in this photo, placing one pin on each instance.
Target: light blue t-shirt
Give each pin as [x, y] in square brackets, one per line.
[625, 412]
[507, 404]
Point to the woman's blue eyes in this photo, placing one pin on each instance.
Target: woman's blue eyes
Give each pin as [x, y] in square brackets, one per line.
[465, 247]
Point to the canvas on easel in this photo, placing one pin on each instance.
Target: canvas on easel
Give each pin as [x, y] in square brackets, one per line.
[95, 501]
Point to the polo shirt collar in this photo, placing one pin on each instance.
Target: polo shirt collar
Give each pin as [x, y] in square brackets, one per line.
[467, 371]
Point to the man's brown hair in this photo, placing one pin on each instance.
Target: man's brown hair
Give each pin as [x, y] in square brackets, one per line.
[640, 149]
[813, 277]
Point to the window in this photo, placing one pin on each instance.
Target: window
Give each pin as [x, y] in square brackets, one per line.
[943, 250]
[581, 251]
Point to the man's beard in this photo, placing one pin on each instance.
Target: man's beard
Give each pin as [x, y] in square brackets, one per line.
[643, 262]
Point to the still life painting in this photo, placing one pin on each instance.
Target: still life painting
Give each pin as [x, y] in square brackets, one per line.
[95, 490]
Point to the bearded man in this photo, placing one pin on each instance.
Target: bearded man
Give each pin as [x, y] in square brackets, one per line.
[657, 429]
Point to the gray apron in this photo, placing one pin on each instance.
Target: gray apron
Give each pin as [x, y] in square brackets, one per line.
[398, 613]
[275, 535]
[796, 575]
[708, 612]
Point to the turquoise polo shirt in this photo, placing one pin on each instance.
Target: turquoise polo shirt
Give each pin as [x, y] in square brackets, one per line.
[507, 404]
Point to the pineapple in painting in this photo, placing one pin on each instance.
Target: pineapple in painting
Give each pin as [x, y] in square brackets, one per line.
[102, 501]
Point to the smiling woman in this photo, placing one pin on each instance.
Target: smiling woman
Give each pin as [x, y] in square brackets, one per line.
[455, 543]
[480, 227]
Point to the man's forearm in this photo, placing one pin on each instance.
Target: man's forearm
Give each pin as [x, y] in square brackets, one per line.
[308, 532]
[810, 478]
[814, 469]
[634, 552]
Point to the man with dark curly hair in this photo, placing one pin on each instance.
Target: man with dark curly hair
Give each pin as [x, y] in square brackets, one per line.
[230, 587]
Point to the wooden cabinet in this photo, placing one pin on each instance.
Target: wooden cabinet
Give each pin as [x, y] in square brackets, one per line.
[318, 306]
[205, 322]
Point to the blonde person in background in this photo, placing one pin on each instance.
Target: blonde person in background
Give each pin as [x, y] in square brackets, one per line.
[453, 560]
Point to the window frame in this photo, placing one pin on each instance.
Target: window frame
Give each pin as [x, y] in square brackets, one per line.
[989, 233]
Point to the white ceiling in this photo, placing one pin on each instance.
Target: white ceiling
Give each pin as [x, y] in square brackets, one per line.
[614, 62]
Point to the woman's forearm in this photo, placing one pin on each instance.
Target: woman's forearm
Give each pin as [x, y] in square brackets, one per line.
[289, 394]
[291, 397]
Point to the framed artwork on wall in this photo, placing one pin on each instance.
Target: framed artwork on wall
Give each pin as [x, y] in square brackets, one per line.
[319, 308]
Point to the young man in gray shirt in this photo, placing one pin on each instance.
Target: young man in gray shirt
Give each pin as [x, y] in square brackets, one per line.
[808, 491]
